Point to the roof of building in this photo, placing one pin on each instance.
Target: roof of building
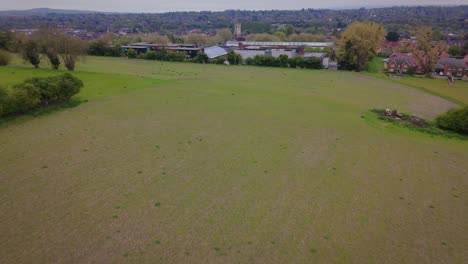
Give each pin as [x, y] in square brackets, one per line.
[451, 62]
[319, 55]
[215, 51]
[402, 59]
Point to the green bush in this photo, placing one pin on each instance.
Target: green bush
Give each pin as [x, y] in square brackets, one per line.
[220, 60]
[283, 60]
[201, 58]
[55, 89]
[150, 55]
[234, 58]
[37, 92]
[296, 62]
[454, 120]
[5, 58]
[176, 56]
[25, 97]
[131, 54]
[313, 63]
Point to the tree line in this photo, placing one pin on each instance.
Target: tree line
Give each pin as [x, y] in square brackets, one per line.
[315, 21]
[44, 44]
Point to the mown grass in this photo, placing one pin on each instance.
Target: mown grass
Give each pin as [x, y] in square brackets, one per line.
[375, 65]
[215, 163]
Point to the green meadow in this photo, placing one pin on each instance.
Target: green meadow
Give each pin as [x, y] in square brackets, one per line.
[187, 163]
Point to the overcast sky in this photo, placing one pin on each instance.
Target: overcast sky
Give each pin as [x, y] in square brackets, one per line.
[197, 5]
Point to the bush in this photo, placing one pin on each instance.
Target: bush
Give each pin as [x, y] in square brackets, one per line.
[5, 58]
[296, 62]
[455, 120]
[220, 60]
[249, 61]
[201, 58]
[36, 92]
[313, 63]
[25, 97]
[234, 58]
[131, 54]
[54, 89]
[150, 55]
[265, 60]
[283, 60]
[176, 56]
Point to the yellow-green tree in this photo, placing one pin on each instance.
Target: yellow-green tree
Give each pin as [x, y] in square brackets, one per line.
[358, 44]
[224, 34]
[425, 50]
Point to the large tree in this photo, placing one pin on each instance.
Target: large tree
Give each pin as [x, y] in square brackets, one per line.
[358, 44]
[70, 50]
[224, 34]
[425, 50]
[48, 41]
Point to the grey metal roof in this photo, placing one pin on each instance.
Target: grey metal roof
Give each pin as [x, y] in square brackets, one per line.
[215, 51]
[315, 54]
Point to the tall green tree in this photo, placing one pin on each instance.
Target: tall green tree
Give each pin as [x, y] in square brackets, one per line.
[358, 44]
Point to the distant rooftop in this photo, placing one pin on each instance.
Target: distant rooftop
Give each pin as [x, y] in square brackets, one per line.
[215, 51]
[264, 43]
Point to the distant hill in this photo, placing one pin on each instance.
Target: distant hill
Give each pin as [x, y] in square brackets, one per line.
[45, 11]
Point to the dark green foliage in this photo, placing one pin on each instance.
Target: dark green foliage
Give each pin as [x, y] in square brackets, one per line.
[176, 56]
[5, 58]
[131, 54]
[101, 48]
[283, 61]
[296, 62]
[54, 60]
[24, 97]
[265, 60]
[37, 92]
[220, 60]
[164, 55]
[455, 120]
[455, 52]
[249, 61]
[150, 55]
[201, 58]
[6, 40]
[234, 58]
[31, 52]
[392, 36]
[313, 63]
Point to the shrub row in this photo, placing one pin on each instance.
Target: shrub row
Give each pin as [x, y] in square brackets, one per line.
[164, 55]
[38, 92]
[285, 62]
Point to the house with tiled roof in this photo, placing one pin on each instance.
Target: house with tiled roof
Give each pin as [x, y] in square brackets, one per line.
[451, 67]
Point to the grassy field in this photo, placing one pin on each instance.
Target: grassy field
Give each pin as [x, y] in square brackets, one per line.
[186, 163]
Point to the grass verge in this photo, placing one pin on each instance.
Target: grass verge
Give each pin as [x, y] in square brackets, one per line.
[374, 116]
